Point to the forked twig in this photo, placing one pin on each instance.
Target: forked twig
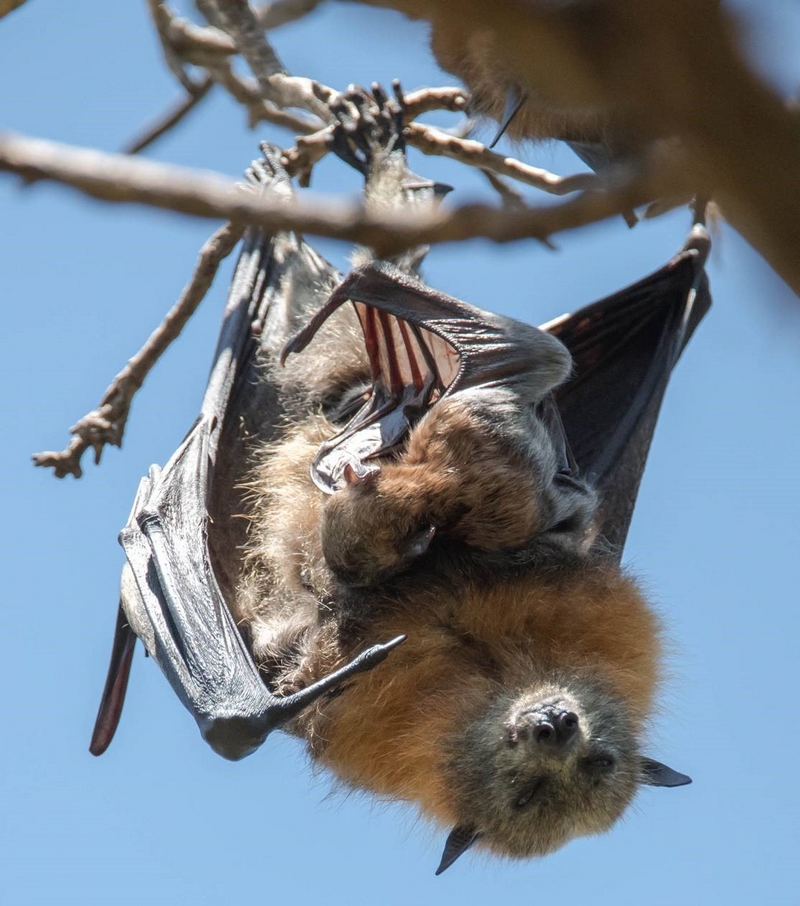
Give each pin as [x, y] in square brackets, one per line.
[105, 425]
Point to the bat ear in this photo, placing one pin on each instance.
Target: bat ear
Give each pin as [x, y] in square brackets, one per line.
[514, 100]
[656, 774]
[416, 544]
[461, 837]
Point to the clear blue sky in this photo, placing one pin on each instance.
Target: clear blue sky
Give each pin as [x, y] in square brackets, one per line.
[159, 818]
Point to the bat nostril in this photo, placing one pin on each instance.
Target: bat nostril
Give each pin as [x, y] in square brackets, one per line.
[545, 733]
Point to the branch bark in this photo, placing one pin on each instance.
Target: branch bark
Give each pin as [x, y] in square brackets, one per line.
[202, 194]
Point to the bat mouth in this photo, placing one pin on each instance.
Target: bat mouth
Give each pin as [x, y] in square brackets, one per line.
[411, 367]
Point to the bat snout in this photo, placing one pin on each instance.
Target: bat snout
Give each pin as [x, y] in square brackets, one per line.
[551, 728]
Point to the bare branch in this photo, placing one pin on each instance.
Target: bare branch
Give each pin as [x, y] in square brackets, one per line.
[434, 141]
[246, 92]
[307, 152]
[509, 196]
[164, 19]
[426, 100]
[130, 179]
[237, 18]
[106, 424]
[169, 119]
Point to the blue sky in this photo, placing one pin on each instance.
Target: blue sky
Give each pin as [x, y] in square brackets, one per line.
[159, 818]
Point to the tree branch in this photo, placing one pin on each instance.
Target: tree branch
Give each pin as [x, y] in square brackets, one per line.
[6, 6]
[106, 424]
[202, 194]
[434, 141]
[169, 119]
[282, 12]
[237, 18]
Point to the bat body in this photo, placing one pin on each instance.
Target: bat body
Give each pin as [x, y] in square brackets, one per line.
[427, 471]
[464, 719]
[482, 45]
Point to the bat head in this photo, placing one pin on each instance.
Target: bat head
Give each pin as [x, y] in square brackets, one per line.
[368, 535]
[556, 762]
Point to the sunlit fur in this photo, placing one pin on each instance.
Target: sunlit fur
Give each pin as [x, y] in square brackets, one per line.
[489, 57]
[496, 494]
[431, 724]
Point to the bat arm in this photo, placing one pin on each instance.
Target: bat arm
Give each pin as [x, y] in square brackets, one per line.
[234, 736]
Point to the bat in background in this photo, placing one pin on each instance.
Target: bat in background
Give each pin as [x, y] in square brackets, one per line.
[481, 45]
[497, 490]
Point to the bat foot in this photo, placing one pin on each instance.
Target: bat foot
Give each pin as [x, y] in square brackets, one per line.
[269, 170]
[368, 127]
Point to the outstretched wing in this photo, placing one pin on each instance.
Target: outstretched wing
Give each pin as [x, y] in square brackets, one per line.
[624, 348]
[171, 596]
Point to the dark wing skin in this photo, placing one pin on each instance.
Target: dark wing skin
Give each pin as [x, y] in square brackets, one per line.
[171, 596]
[624, 348]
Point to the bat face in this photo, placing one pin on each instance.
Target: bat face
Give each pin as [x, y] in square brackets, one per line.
[559, 761]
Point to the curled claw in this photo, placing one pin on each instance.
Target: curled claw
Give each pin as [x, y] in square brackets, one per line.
[368, 124]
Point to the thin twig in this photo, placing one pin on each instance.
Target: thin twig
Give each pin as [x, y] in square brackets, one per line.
[307, 152]
[246, 92]
[164, 19]
[132, 179]
[434, 141]
[198, 44]
[169, 119]
[509, 196]
[106, 424]
[426, 100]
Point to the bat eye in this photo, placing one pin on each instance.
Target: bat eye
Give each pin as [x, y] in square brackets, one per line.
[529, 795]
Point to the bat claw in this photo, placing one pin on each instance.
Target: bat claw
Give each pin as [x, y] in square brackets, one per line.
[367, 125]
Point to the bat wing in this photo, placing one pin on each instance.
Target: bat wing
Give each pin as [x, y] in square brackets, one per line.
[624, 348]
[424, 346]
[171, 594]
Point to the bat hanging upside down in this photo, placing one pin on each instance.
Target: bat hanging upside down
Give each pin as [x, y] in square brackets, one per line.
[437, 498]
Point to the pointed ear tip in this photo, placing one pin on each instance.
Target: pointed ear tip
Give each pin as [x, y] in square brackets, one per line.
[460, 839]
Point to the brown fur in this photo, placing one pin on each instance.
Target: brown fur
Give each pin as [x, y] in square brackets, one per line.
[482, 495]
[498, 650]
[411, 729]
[489, 57]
